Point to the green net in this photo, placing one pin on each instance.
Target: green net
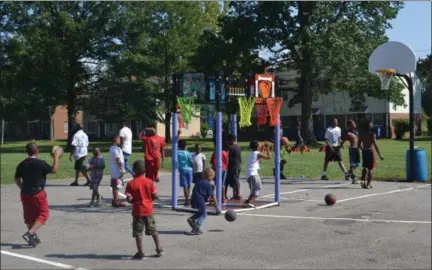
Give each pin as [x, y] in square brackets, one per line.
[186, 107]
[246, 106]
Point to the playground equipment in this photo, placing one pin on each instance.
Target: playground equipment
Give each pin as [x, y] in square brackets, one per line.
[190, 89]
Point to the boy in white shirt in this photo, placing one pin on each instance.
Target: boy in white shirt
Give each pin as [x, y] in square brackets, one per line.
[117, 170]
[253, 165]
[126, 145]
[332, 152]
[198, 163]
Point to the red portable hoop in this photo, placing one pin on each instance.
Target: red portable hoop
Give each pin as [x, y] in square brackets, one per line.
[262, 111]
[274, 107]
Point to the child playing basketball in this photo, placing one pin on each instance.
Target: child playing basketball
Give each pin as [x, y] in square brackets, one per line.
[234, 166]
[117, 170]
[141, 192]
[154, 153]
[185, 169]
[202, 191]
[96, 167]
[367, 141]
[354, 154]
[198, 163]
[252, 168]
[224, 170]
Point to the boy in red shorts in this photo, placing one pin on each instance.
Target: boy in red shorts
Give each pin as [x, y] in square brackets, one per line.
[30, 177]
[154, 148]
[141, 192]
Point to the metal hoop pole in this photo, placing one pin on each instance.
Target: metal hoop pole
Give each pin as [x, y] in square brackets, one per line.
[277, 161]
[219, 158]
[234, 124]
[174, 160]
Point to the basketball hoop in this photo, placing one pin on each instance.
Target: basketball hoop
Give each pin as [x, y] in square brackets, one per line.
[274, 107]
[186, 106]
[246, 106]
[385, 76]
[262, 111]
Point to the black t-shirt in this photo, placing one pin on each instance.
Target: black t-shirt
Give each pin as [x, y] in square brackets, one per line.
[234, 157]
[33, 172]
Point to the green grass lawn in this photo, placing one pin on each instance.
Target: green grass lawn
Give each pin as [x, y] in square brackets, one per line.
[308, 164]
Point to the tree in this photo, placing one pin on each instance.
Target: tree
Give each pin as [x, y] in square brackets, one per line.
[327, 43]
[424, 71]
[65, 40]
[161, 38]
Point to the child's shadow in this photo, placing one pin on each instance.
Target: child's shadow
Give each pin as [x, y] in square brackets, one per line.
[16, 246]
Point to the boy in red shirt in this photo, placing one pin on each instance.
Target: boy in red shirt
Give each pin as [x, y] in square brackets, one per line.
[154, 148]
[141, 192]
[224, 169]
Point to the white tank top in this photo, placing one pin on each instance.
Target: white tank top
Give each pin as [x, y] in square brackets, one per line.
[253, 164]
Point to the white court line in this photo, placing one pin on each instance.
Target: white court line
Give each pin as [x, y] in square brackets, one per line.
[345, 219]
[301, 190]
[34, 259]
[382, 193]
[305, 200]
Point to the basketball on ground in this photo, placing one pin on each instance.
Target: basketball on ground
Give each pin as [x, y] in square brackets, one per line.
[230, 215]
[330, 199]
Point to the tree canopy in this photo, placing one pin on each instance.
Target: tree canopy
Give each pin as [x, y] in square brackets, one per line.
[424, 71]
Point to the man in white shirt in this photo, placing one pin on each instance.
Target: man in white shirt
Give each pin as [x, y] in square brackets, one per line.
[79, 146]
[116, 171]
[126, 145]
[332, 152]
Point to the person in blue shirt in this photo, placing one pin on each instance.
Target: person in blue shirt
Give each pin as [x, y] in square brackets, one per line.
[184, 158]
[203, 190]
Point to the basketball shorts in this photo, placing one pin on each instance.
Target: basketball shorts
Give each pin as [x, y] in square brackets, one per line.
[233, 177]
[185, 178]
[197, 176]
[116, 183]
[334, 155]
[368, 159]
[254, 182]
[79, 164]
[152, 169]
[35, 207]
[354, 155]
[141, 224]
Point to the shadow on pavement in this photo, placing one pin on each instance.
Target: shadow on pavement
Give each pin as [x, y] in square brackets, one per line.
[16, 246]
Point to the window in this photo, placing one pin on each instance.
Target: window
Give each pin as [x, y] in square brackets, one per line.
[65, 127]
[378, 119]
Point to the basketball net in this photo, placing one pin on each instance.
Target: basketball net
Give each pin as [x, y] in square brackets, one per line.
[246, 106]
[274, 107]
[186, 106]
[385, 76]
[262, 112]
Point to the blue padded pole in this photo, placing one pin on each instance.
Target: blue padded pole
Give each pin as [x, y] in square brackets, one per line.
[277, 161]
[219, 158]
[174, 159]
[234, 124]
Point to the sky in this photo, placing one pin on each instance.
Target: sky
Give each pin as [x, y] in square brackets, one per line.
[412, 27]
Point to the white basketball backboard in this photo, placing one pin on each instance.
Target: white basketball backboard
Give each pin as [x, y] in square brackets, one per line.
[393, 55]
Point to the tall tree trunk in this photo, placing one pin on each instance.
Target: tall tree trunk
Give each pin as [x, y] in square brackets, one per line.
[167, 127]
[306, 118]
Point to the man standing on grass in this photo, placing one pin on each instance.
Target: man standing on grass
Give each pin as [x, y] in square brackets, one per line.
[332, 152]
[30, 177]
[79, 151]
[126, 145]
[354, 154]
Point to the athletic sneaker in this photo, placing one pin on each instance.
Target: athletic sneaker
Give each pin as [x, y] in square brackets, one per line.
[37, 240]
[196, 232]
[74, 184]
[30, 239]
[86, 184]
[347, 177]
[139, 256]
[91, 204]
[159, 252]
[324, 177]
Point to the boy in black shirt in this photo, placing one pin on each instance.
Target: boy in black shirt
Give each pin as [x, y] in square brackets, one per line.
[30, 177]
[234, 166]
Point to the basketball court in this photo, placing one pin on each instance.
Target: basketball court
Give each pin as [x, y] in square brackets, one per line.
[385, 227]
